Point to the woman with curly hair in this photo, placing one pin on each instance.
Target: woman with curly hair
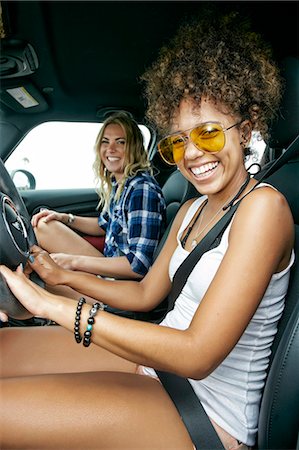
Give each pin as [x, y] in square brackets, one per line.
[133, 210]
[209, 89]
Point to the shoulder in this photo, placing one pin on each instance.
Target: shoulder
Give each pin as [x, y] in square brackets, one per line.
[143, 184]
[263, 199]
[142, 179]
[264, 212]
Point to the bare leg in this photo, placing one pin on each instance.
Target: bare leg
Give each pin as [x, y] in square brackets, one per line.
[52, 349]
[55, 237]
[105, 410]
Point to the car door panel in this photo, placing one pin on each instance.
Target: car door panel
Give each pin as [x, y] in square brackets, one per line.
[77, 201]
[81, 202]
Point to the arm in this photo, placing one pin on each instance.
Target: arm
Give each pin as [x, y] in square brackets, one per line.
[145, 225]
[117, 266]
[129, 295]
[221, 317]
[138, 238]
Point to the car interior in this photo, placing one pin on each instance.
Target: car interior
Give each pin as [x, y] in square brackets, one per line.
[78, 61]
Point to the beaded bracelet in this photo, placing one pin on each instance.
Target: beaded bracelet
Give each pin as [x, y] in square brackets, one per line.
[77, 335]
[90, 321]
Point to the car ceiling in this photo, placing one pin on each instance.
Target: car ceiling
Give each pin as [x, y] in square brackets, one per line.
[91, 54]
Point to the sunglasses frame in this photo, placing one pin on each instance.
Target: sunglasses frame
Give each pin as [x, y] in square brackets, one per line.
[187, 138]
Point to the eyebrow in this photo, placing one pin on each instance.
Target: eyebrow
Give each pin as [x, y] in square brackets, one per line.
[116, 139]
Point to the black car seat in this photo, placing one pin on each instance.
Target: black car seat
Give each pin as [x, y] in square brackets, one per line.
[279, 413]
[176, 190]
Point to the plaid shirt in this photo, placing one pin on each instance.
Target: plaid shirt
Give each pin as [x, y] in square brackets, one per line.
[135, 223]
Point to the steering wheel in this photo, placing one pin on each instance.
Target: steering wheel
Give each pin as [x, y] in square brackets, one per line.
[16, 238]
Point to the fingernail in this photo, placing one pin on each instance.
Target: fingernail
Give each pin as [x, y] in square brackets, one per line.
[31, 258]
[22, 267]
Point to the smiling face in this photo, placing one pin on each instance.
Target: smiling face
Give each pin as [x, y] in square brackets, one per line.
[112, 149]
[211, 173]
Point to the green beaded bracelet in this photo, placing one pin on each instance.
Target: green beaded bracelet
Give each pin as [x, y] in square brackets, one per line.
[97, 306]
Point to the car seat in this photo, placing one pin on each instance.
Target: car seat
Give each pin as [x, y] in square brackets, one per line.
[176, 190]
[279, 413]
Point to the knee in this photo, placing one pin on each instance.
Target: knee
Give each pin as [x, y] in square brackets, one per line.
[44, 230]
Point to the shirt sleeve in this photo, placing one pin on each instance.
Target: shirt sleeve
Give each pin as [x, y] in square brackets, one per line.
[103, 220]
[146, 221]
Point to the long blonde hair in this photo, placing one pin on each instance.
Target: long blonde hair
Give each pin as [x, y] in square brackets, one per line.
[136, 157]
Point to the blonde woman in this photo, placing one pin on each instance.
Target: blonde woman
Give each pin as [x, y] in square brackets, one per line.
[132, 205]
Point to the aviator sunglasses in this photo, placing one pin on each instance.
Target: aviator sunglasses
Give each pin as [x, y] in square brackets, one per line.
[208, 137]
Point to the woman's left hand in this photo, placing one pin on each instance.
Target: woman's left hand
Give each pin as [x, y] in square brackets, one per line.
[42, 263]
[33, 297]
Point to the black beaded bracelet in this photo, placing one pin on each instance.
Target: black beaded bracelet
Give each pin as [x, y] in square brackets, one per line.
[77, 334]
[90, 321]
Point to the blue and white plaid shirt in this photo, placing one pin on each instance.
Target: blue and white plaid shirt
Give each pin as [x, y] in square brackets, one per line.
[135, 223]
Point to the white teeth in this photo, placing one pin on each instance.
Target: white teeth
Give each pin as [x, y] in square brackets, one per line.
[112, 158]
[203, 169]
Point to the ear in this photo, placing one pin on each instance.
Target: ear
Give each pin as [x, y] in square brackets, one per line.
[245, 132]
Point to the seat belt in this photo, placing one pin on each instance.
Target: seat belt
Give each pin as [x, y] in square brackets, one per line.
[196, 420]
[209, 241]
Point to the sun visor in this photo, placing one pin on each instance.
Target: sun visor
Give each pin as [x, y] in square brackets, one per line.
[22, 97]
[17, 62]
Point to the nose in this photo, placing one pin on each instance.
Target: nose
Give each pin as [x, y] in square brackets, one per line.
[191, 151]
[111, 146]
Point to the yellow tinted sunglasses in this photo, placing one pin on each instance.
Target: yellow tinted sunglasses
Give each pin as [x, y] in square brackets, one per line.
[208, 137]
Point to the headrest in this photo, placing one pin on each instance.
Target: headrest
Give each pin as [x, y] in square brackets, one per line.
[286, 127]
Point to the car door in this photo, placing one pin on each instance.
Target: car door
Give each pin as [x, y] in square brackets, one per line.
[52, 168]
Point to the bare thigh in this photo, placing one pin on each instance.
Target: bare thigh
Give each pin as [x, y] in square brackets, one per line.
[105, 410]
[55, 237]
[52, 349]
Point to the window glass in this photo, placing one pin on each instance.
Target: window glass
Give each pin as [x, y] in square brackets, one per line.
[257, 146]
[57, 155]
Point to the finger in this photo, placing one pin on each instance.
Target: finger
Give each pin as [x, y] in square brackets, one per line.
[50, 216]
[3, 317]
[17, 281]
[35, 219]
[35, 249]
[20, 268]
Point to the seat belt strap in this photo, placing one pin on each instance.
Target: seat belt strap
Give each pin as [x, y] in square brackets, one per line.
[183, 272]
[196, 420]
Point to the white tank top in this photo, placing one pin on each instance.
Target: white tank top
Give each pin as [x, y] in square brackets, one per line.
[231, 394]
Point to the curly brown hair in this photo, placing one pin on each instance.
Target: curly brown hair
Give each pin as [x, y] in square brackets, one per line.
[219, 58]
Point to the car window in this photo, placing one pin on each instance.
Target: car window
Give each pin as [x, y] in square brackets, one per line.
[57, 155]
[255, 160]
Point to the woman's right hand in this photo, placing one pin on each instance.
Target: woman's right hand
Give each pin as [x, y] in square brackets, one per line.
[41, 262]
[47, 215]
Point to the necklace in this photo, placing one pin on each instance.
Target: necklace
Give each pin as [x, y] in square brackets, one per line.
[224, 207]
[184, 240]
